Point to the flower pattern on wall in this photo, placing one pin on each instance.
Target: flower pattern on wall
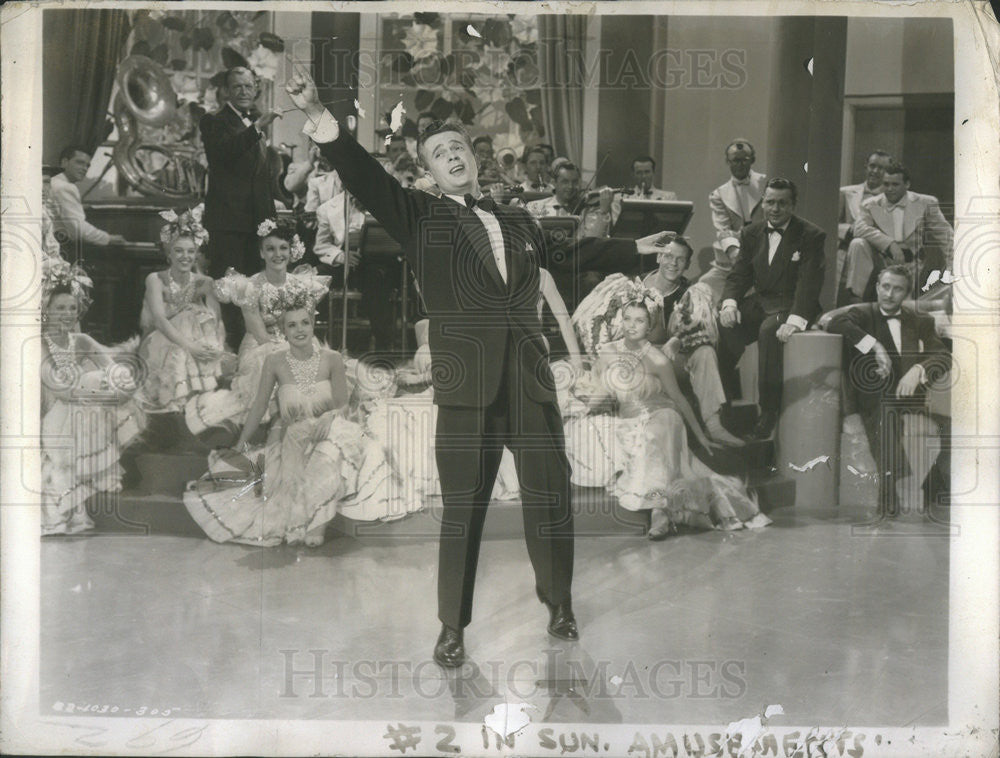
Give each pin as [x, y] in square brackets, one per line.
[478, 69]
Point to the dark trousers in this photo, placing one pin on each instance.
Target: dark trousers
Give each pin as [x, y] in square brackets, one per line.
[882, 418]
[469, 443]
[755, 326]
[241, 251]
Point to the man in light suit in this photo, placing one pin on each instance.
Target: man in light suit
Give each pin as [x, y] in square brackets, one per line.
[853, 195]
[897, 226]
[643, 169]
[734, 204]
[782, 259]
[892, 352]
[70, 220]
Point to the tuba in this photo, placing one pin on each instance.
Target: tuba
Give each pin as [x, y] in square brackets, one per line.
[167, 169]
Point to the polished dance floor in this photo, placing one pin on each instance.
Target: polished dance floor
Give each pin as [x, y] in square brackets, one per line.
[838, 624]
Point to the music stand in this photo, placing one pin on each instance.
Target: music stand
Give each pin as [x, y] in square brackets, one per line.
[640, 218]
[377, 244]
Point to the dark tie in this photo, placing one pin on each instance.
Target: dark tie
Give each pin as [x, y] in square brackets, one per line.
[892, 318]
[485, 203]
[772, 230]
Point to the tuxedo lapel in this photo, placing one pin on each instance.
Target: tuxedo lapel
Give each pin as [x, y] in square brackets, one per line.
[476, 238]
[729, 197]
[761, 268]
[789, 243]
[854, 193]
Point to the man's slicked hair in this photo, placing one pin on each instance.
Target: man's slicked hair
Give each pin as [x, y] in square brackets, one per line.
[439, 127]
[779, 183]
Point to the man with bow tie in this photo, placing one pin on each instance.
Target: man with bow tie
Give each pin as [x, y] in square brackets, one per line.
[239, 184]
[781, 257]
[892, 352]
[734, 204]
[477, 265]
[896, 226]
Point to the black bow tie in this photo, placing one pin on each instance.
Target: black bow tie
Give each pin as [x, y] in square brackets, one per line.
[485, 203]
[894, 317]
[772, 230]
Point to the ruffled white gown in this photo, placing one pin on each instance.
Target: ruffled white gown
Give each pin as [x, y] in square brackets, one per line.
[315, 463]
[82, 437]
[173, 374]
[231, 405]
[655, 467]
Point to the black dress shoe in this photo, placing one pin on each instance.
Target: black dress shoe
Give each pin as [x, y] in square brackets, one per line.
[562, 623]
[449, 651]
[765, 425]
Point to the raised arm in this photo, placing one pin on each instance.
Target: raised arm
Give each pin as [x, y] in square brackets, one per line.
[398, 210]
[223, 146]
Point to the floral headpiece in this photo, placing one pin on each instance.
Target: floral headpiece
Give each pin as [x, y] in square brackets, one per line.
[636, 293]
[58, 273]
[297, 246]
[297, 295]
[606, 325]
[187, 224]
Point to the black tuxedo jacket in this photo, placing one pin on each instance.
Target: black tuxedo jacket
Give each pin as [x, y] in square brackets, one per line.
[921, 344]
[792, 281]
[239, 181]
[472, 311]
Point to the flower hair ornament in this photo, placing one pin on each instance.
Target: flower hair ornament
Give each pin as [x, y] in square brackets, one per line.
[614, 295]
[60, 274]
[187, 224]
[296, 246]
[297, 296]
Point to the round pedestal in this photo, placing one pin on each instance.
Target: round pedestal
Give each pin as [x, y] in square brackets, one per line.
[810, 423]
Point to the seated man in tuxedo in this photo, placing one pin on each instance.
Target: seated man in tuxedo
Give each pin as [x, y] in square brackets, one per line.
[892, 352]
[897, 226]
[781, 257]
[70, 221]
[687, 334]
[734, 204]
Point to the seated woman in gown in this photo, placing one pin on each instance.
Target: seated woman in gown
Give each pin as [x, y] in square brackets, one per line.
[88, 418]
[258, 297]
[315, 462]
[657, 470]
[183, 336]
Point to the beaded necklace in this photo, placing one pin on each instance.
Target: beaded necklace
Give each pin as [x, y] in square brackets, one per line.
[304, 371]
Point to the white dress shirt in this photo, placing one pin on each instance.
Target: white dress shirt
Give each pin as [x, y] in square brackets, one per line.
[72, 221]
[493, 231]
[868, 341]
[897, 212]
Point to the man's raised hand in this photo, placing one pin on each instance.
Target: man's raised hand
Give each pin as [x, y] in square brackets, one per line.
[301, 90]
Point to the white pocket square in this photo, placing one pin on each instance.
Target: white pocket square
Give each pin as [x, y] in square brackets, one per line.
[796, 256]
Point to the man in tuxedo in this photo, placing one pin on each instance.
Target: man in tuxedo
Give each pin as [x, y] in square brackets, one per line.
[897, 226]
[892, 351]
[734, 204]
[781, 257]
[477, 265]
[239, 184]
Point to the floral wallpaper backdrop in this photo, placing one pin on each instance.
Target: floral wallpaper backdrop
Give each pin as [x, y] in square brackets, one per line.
[193, 47]
[478, 69]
